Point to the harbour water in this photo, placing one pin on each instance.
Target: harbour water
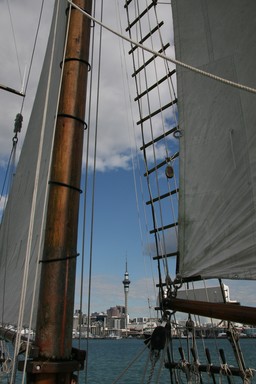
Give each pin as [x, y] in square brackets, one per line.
[127, 361]
[117, 361]
[108, 359]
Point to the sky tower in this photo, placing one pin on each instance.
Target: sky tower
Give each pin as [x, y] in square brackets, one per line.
[126, 283]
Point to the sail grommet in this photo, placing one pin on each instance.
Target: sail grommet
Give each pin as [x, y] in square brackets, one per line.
[178, 134]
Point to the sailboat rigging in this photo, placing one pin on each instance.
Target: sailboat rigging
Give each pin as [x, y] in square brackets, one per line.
[54, 322]
[216, 217]
[198, 148]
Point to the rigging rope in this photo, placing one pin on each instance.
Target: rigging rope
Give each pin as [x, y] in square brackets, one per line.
[130, 364]
[174, 61]
[14, 39]
[136, 165]
[33, 50]
[23, 91]
[31, 224]
[160, 239]
[172, 97]
[19, 117]
[138, 86]
[95, 158]
[93, 188]
[17, 128]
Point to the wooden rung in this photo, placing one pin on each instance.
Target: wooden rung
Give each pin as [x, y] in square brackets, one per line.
[147, 36]
[169, 74]
[140, 16]
[163, 228]
[157, 111]
[159, 257]
[161, 164]
[150, 60]
[210, 369]
[165, 134]
[161, 197]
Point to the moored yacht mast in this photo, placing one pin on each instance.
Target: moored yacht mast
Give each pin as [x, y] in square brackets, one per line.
[55, 362]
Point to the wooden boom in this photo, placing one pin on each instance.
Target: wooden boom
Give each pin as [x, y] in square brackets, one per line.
[224, 311]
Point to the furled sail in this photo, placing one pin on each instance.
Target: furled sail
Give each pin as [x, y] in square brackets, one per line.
[217, 217]
[16, 224]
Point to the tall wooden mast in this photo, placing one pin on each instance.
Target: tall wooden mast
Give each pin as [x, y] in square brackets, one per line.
[55, 362]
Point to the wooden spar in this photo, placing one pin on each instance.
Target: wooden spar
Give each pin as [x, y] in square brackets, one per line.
[11, 90]
[55, 363]
[225, 311]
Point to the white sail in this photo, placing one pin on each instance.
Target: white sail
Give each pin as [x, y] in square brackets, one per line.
[17, 216]
[217, 218]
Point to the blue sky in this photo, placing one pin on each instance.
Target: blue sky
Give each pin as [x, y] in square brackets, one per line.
[116, 234]
[119, 234]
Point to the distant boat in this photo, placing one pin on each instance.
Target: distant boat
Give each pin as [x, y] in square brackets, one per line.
[198, 148]
[113, 336]
[222, 335]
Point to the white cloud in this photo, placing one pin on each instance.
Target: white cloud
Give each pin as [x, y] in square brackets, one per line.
[116, 135]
